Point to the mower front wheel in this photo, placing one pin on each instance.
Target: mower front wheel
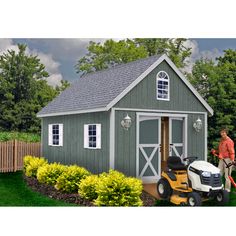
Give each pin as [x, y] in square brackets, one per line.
[194, 199]
[164, 189]
[222, 198]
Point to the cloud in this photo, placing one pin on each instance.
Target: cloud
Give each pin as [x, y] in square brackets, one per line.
[7, 44]
[54, 79]
[197, 54]
[51, 66]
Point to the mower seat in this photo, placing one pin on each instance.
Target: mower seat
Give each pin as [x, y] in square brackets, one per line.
[175, 163]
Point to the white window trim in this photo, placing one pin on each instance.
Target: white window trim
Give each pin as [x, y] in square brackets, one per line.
[160, 79]
[98, 136]
[50, 135]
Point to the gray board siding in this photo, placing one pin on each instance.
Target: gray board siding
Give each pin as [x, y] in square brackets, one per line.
[125, 142]
[143, 95]
[73, 151]
[125, 145]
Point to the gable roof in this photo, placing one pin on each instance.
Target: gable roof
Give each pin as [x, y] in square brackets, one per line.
[100, 91]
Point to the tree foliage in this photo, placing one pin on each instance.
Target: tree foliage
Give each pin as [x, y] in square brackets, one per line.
[104, 55]
[23, 90]
[174, 48]
[216, 82]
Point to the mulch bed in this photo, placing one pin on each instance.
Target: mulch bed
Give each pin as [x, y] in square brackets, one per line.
[74, 198]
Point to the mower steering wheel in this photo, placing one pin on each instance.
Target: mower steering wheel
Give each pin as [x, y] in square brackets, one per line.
[190, 159]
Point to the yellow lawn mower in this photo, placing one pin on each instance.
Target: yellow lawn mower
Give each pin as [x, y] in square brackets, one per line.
[191, 183]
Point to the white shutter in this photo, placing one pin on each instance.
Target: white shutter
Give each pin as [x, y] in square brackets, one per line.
[50, 135]
[60, 134]
[98, 138]
[86, 136]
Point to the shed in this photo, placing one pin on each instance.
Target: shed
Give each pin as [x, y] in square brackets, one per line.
[88, 123]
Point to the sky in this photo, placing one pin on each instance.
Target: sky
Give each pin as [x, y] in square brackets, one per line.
[60, 55]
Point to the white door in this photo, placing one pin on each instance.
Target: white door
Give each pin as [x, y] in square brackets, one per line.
[148, 158]
[177, 137]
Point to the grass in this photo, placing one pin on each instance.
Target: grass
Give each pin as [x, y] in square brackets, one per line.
[21, 136]
[232, 197]
[15, 192]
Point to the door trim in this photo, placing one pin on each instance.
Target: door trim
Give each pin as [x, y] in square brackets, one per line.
[185, 133]
[158, 116]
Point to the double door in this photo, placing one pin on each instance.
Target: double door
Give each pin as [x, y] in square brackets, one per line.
[158, 137]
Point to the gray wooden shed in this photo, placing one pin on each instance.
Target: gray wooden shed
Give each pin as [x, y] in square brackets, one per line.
[83, 124]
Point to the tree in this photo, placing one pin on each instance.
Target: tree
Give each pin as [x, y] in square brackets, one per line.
[216, 82]
[110, 53]
[23, 90]
[64, 85]
[174, 48]
[102, 56]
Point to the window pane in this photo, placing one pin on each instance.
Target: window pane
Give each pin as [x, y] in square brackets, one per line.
[55, 127]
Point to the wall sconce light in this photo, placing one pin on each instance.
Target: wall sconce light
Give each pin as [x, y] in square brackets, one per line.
[197, 125]
[126, 122]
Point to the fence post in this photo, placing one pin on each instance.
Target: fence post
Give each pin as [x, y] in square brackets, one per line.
[15, 155]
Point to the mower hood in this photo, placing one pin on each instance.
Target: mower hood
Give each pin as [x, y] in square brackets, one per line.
[205, 166]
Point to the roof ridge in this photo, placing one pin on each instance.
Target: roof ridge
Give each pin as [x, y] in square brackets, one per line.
[120, 65]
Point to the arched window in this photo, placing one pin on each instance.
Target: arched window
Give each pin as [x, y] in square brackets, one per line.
[163, 86]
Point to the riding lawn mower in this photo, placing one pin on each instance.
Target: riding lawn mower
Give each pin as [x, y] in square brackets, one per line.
[191, 183]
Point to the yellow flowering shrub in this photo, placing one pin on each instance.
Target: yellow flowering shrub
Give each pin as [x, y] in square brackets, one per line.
[114, 189]
[32, 164]
[87, 187]
[70, 179]
[49, 173]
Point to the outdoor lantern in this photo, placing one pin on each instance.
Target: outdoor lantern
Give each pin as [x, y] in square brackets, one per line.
[126, 122]
[197, 125]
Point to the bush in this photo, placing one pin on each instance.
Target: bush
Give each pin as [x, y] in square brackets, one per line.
[49, 173]
[32, 164]
[87, 187]
[70, 179]
[26, 160]
[21, 136]
[114, 189]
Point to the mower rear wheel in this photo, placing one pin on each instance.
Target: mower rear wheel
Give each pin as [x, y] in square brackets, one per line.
[194, 199]
[222, 197]
[164, 189]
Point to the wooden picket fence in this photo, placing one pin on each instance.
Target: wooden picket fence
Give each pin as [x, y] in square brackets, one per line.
[12, 153]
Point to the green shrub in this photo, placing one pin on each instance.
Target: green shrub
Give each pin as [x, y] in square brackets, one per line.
[32, 164]
[70, 179]
[87, 187]
[49, 173]
[21, 136]
[26, 161]
[114, 189]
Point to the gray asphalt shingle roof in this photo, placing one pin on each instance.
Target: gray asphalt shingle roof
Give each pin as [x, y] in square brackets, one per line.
[98, 89]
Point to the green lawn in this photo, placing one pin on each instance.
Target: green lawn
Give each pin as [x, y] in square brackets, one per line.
[15, 192]
[232, 201]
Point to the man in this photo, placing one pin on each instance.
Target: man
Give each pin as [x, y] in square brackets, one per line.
[226, 152]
